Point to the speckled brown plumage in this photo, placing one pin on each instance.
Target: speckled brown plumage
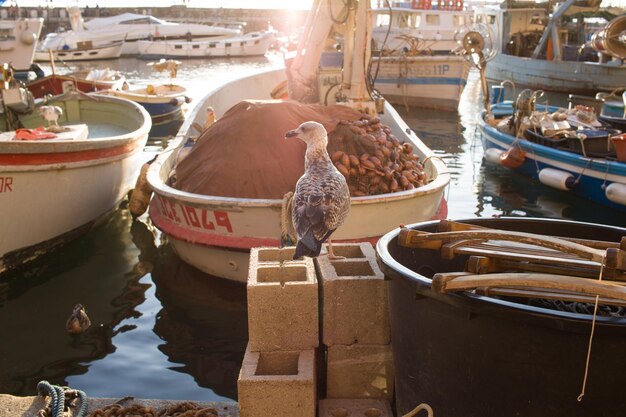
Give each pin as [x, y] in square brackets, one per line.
[321, 201]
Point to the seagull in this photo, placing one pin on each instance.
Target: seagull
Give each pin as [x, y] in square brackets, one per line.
[321, 201]
[51, 114]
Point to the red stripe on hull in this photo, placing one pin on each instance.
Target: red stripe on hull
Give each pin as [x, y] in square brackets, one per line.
[212, 239]
[66, 157]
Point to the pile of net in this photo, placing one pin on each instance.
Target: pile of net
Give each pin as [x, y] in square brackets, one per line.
[245, 154]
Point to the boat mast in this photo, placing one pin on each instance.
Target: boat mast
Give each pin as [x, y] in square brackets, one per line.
[349, 19]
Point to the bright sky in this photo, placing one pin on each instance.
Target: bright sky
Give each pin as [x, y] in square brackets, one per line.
[244, 4]
[247, 4]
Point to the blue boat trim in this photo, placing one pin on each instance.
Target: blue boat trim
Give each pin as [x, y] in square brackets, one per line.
[591, 173]
[423, 80]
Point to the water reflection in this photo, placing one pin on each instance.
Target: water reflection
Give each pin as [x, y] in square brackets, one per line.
[96, 271]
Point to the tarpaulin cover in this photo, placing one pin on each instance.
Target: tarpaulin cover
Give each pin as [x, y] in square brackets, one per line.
[245, 154]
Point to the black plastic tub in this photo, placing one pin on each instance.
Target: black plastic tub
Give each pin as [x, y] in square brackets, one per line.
[470, 355]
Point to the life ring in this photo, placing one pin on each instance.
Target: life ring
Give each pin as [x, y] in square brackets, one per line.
[280, 91]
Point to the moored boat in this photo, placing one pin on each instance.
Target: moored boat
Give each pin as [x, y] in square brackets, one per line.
[576, 159]
[128, 27]
[527, 343]
[215, 233]
[18, 41]
[55, 186]
[415, 63]
[163, 101]
[83, 52]
[85, 81]
[250, 44]
[538, 49]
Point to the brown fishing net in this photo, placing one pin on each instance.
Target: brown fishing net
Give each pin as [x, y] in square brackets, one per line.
[244, 154]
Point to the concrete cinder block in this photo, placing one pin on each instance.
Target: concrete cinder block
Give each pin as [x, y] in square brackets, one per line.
[343, 407]
[283, 311]
[360, 371]
[277, 384]
[355, 307]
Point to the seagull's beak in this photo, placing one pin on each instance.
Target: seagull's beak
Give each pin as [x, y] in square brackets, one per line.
[291, 133]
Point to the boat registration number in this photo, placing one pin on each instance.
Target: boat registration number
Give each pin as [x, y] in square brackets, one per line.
[195, 217]
[6, 184]
[440, 69]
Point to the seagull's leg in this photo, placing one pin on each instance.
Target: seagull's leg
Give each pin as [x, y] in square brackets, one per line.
[331, 255]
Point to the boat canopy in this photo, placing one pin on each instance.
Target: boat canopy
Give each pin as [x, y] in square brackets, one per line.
[124, 19]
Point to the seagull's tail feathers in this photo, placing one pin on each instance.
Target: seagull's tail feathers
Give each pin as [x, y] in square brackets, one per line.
[308, 245]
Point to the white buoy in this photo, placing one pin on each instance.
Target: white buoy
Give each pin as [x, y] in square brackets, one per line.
[616, 193]
[558, 179]
[493, 155]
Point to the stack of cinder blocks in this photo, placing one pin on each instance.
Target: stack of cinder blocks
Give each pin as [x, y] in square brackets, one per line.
[278, 375]
[355, 329]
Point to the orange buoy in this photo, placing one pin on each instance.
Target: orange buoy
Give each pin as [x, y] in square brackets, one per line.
[513, 158]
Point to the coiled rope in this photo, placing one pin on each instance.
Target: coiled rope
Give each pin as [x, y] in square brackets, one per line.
[185, 409]
[60, 397]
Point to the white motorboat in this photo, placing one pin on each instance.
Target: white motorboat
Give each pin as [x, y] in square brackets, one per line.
[129, 27]
[214, 233]
[18, 40]
[84, 52]
[250, 44]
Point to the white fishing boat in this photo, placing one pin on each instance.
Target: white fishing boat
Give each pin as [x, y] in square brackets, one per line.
[18, 40]
[85, 51]
[537, 50]
[60, 182]
[214, 233]
[128, 27]
[415, 64]
[250, 44]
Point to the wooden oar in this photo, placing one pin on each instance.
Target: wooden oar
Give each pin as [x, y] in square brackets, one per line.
[455, 281]
[452, 226]
[487, 265]
[548, 295]
[615, 258]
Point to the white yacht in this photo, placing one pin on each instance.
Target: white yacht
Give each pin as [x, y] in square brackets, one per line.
[128, 27]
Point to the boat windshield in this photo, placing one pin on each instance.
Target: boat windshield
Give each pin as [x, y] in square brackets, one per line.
[148, 20]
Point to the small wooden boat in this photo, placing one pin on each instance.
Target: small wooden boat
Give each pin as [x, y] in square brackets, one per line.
[85, 51]
[214, 233]
[493, 303]
[53, 189]
[85, 81]
[250, 44]
[583, 163]
[164, 102]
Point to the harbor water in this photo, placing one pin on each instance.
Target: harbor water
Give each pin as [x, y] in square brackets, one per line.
[160, 328]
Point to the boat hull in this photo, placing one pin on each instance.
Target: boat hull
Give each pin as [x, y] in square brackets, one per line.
[531, 360]
[215, 234]
[58, 84]
[239, 46]
[87, 54]
[53, 190]
[424, 81]
[592, 175]
[571, 77]
[165, 106]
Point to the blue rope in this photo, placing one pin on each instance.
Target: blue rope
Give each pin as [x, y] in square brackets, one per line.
[57, 396]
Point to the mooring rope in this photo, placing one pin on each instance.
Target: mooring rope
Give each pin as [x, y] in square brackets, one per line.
[593, 328]
[422, 406]
[58, 395]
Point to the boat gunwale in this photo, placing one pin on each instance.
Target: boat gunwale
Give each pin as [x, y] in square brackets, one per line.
[96, 143]
[157, 180]
[584, 165]
[482, 304]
